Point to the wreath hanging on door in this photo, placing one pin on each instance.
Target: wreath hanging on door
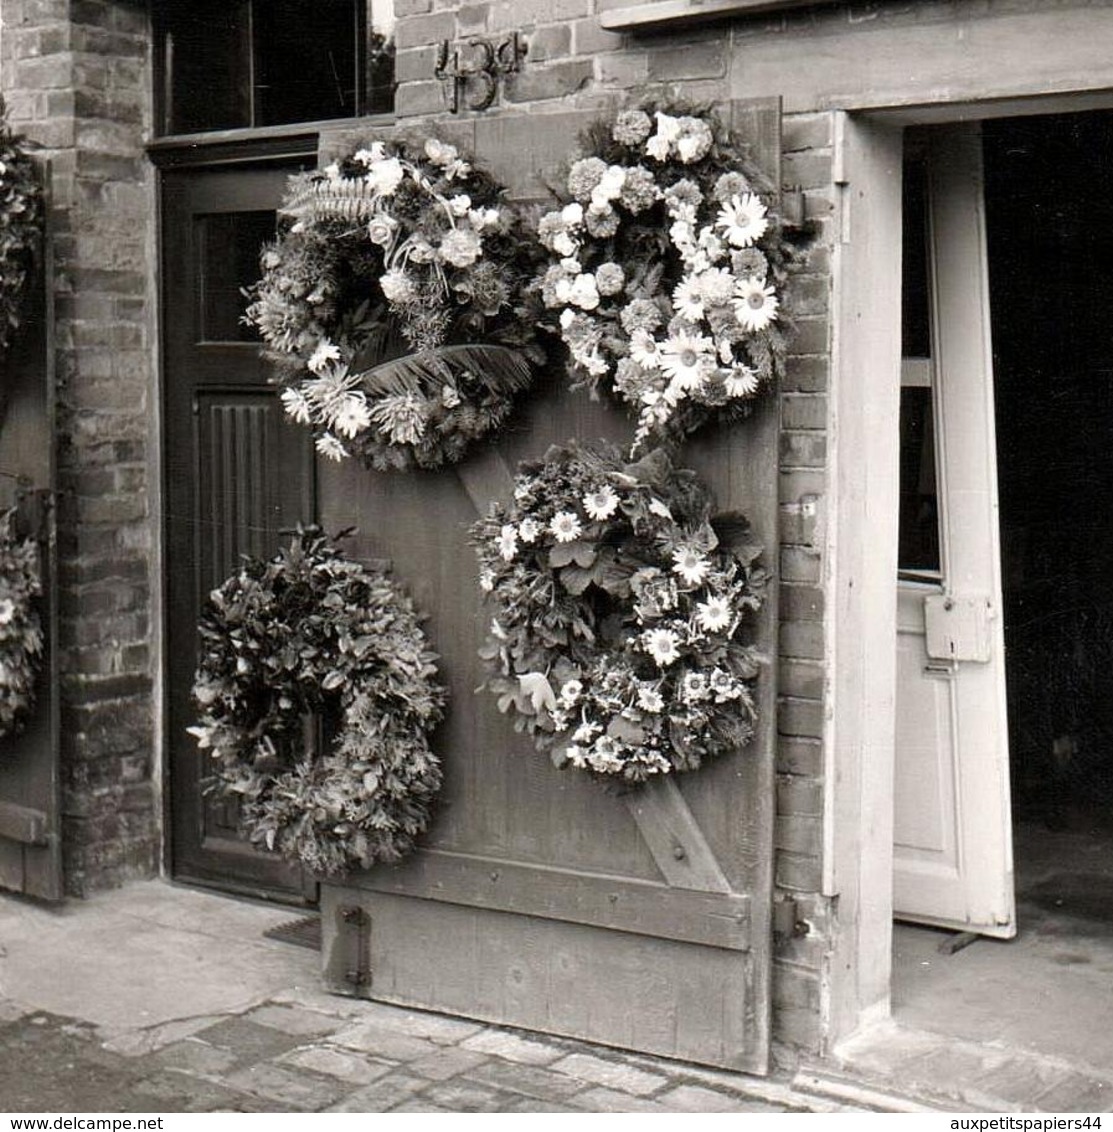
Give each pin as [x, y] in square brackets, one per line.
[20, 228]
[667, 267]
[620, 605]
[394, 305]
[308, 640]
[21, 635]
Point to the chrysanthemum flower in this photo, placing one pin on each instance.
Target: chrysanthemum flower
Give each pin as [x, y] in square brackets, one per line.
[508, 542]
[601, 503]
[461, 247]
[297, 405]
[692, 566]
[694, 687]
[610, 278]
[663, 645]
[329, 446]
[528, 529]
[755, 304]
[565, 526]
[743, 220]
[714, 614]
[323, 356]
[401, 417]
[631, 127]
[649, 699]
[352, 415]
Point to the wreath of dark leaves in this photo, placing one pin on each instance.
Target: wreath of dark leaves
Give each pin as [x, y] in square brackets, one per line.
[667, 267]
[20, 227]
[395, 305]
[620, 605]
[313, 640]
[21, 635]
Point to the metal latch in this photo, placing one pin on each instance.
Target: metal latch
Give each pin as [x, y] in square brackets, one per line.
[786, 924]
[958, 627]
[356, 926]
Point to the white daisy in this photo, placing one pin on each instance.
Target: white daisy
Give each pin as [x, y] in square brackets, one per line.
[755, 304]
[694, 687]
[325, 353]
[565, 526]
[683, 358]
[328, 445]
[528, 529]
[662, 645]
[649, 699]
[690, 565]
[602, 503]
[645, 349]
[571, 691]
[741, 382]
[577, 756]
[687, 299]
[508, 541]
[743, 220]
[714, 614]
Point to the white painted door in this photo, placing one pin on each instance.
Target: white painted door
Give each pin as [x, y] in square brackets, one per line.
[952, 826]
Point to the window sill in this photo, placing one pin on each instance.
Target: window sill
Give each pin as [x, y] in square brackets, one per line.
[666, 13]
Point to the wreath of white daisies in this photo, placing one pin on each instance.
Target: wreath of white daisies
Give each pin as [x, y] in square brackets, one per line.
[392, 305]
[667, 268]
[620, 606]
[312, 636]
[21, 635]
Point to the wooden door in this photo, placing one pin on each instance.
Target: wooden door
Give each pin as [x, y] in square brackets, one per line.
[30, 792]
[237, 475]
[953, 844]
[540, 899]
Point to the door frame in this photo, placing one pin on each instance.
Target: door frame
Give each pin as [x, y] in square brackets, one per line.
[169, 156]
[862, 532]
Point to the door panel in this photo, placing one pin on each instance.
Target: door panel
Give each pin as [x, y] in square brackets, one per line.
[539, 898]
[237, 476]
[30, 791]
[953, 844]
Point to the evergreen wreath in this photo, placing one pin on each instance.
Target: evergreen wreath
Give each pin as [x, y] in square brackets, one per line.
[21, 635]
[308, 635]
[20, 227]
[394, 305]
[667, 267]
[619, 611]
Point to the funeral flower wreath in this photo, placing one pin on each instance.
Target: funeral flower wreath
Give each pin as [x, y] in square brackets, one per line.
[309, 636]
[394, 304]
[620, 605]
[21, 635]
[667, 269]
[20, 228]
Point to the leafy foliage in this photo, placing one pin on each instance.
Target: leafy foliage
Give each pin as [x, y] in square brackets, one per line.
[667, 269]
[620, 604]
[21, 636]
[313, 636]
[20, 227]
[395, 305]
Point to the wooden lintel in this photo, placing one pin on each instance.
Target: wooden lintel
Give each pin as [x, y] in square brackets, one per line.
[653, 17]
[23, 824]
[714, 919]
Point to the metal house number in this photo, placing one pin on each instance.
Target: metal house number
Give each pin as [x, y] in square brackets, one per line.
[475, 67]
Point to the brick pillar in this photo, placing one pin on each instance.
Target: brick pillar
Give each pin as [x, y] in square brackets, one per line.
[75, 73]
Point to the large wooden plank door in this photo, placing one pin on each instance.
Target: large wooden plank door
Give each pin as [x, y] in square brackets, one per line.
[30, 793]
[638, 919]
[237, 475]
[952, 858]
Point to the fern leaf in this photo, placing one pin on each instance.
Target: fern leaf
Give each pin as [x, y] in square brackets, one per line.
[503, 370]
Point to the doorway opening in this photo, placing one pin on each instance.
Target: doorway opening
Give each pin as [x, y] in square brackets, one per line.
[1049, 252]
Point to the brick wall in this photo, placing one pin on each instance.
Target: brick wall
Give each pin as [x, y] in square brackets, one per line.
[75, 73]
[572, 61]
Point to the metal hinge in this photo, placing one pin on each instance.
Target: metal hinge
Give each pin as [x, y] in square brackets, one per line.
[356, 927]
[786, 923]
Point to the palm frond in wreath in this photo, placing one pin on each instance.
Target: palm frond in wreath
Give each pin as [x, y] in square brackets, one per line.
[504, 371]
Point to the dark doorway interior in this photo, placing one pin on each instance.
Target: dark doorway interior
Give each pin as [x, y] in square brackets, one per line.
[1050, 243]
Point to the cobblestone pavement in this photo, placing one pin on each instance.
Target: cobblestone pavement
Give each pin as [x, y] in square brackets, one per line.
[337, 1056]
